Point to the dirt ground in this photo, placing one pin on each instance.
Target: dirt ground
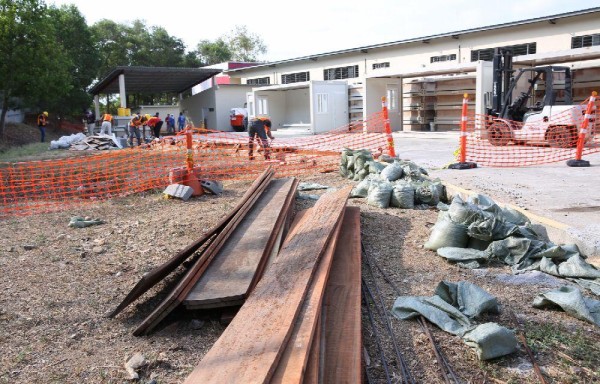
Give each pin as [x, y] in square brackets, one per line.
[58, 283]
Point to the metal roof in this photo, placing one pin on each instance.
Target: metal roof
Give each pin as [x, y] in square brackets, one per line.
[153, 79]
[551, 19]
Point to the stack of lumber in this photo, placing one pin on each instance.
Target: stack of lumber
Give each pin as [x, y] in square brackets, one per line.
[247, 238]
[301, 323]
[298, 282]
[94, 143]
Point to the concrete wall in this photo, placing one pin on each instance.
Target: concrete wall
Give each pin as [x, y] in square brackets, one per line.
[297, 106]
[227, 97]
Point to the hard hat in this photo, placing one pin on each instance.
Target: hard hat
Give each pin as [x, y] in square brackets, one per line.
[45, 113]
[147, 115]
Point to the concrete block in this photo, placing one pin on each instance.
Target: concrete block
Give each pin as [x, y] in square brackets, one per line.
[182, 192]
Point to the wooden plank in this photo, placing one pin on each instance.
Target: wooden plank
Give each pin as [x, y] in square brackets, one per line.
[293, 361]
[249, 349]
[230, 274]
[185, 285]
[311, 376]
[341, 309]
[158, 274]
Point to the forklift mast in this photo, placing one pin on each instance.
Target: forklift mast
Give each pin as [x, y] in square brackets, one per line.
[504, 83]
[503, 74]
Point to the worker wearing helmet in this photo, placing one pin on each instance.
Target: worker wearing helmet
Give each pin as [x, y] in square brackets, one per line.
[42, 121]
[259, 127]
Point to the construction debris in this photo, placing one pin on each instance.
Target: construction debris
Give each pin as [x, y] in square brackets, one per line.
[95, 143]
[179, 191]
[82, 222]
[65, 141]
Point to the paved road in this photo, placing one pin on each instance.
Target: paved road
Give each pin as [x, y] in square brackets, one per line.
[565, 199]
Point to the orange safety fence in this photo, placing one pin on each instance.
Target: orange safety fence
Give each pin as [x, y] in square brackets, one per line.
[50, 185]
[494, 142]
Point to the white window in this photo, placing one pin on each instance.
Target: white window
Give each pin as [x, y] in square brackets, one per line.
[392, 98]
[322, 102]
[262, 106]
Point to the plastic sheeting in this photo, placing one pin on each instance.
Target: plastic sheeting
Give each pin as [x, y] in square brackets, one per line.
[452, 309]
[572, 301]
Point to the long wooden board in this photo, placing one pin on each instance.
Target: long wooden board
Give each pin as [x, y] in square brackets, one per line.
[229, 276]
[186, 283]
[292, 364]
[341, 308]
[249, 349]
[158, 274]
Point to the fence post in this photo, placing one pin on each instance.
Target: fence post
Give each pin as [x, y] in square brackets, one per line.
[463, 164]
[190, 179]
[578, 162]
[387, 127]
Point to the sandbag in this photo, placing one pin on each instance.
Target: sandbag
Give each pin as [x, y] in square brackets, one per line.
[463, 212]
[403, 196]
[392, 172]
[361, 189]
[379, 194]
[376, 167]
[447, 233]
[491, 340]
[427, 193]
[466, 257]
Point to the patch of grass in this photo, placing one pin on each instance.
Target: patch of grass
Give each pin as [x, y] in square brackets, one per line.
[15, 153]
[572, 348]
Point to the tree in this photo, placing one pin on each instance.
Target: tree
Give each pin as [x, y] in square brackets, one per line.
[83, 61]
[214, 52]
[32, 66]
[244, 45]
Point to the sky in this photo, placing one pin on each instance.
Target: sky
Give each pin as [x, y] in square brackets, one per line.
[302, 28]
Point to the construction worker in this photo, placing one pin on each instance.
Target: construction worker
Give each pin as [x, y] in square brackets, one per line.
[135, 123]
[106, 126]
[260, 127]
[90, 121]
[42, 121]
[155, 123]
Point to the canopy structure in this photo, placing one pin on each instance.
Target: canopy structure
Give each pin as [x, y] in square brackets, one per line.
[124, 79]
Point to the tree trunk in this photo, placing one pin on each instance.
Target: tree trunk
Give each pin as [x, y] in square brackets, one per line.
[5, 97]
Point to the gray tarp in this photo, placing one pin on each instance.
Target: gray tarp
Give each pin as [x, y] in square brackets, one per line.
[450, 310]
[572, 301]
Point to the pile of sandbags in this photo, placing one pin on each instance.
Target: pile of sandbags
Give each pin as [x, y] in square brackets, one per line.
[477, 231]
[391, 183]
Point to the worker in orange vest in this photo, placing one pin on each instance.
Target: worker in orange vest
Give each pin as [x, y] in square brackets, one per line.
[259, 127]
[42, 121]
[106, 126]
[134, 128]
[155, 123]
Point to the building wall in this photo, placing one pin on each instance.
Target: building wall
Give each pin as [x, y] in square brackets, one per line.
[407, 57]
[214, 104]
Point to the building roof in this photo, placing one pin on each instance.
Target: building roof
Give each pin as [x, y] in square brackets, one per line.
[153, 79]
[551, 19]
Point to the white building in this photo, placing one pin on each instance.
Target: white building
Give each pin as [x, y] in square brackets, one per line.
[423, 78]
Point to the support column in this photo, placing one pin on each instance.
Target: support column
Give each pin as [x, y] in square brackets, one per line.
[122, 91]
[97, 106]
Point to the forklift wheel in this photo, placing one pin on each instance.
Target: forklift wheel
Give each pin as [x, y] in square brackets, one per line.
[561, 136]
[499, 134]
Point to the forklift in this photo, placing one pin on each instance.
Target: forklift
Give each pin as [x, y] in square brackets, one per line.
[542, 114]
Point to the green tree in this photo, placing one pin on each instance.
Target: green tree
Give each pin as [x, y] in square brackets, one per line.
[33, 69]
[238, 45]
[83, 60]
[214, 52]
[244, 45]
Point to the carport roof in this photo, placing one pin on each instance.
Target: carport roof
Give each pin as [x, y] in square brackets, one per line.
[153, 79]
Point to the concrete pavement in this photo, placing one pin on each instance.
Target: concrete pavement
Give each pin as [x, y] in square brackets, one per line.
[564, 200]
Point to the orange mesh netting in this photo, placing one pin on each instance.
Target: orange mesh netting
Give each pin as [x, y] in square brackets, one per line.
[42, 186]
[503, 143]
